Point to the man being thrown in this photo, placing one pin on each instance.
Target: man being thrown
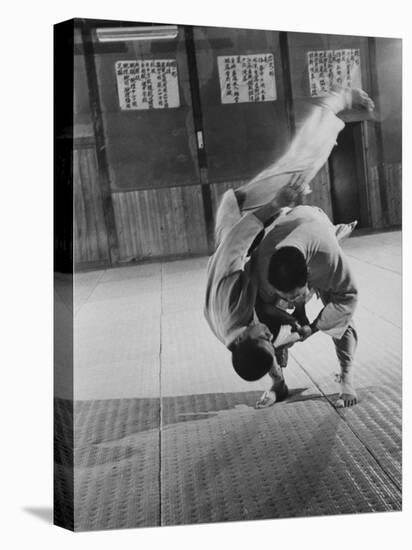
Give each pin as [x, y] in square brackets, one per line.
[243, 215]
[232, 288]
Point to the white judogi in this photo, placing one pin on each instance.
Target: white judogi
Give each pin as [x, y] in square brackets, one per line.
[231, 280]
[309, 230]
[231, 287]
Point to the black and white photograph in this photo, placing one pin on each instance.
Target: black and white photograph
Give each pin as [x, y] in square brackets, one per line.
[228, 274]
[205, 275]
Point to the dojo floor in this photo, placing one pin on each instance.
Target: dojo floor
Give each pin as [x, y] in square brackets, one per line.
[166, 433]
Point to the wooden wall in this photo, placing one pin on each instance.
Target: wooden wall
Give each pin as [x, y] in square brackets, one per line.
[90, 237]
[394, 185]
[90, 244]
[155, 223]
[240, 139]
[388, 89]
[163, 197]
[389, 96]
[393, 188]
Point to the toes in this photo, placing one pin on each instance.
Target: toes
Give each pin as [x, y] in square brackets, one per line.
[267, 399]
[346, 402]
[264, 405]
[362, 100]
[370, 104]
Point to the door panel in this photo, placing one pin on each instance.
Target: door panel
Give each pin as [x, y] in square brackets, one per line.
[154, 147]
[347, 178]
[240, 138]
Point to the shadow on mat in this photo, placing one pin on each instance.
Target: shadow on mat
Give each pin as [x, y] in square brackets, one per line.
[294, 492]
[268, 468]
[96, 422]
[295, 396]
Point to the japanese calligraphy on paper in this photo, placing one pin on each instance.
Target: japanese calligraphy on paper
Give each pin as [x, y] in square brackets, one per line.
[329, 67]
[247, 78]
[147, 84]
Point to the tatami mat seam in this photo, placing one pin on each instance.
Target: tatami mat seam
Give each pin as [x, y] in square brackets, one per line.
[160, 398]
[364, 445]
[380, 316]
[372, 263]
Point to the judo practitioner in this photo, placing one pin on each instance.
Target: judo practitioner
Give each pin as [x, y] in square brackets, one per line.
[300, 256]
[241, 220]
[232, 289]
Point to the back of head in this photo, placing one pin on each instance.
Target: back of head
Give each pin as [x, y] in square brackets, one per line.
[287, 269]
[251, 360]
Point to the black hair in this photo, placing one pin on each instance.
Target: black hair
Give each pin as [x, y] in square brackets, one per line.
[251, 360]
[287, 269]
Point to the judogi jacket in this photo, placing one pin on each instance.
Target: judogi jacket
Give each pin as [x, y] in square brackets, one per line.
[231, 285]
[329, 274]
[231, 276]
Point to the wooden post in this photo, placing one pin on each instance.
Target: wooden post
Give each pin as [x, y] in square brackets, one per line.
[102, 163]
[198, 124]
[378, 132]
[287, 80]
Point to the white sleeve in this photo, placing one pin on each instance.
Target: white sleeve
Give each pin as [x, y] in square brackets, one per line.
[231, 254]
[286, 336]
[307, 153]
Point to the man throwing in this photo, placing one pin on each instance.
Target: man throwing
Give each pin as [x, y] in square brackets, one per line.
[241, 220]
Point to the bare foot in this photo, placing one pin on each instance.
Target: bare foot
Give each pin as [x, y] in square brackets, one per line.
[278, 392]
[343, 230]
[267, 399]
[347, 395]
[361, 100]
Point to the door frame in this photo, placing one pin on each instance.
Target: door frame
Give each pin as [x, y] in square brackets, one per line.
[358, 130]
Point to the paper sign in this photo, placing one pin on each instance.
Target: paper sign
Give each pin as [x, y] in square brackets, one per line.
[329, 67]
[247, 78]
[147, 84]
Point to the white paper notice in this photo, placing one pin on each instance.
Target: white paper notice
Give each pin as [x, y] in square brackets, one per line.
[329, 67]
[147, 84]
[247, 78]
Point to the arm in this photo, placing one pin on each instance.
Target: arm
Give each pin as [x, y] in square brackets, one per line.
[335, 316]
[308, 151]
[317, 135]
[279, 315]
[339, 291]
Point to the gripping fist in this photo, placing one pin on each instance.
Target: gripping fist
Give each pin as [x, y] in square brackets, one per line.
[304, 332]
[293, 193]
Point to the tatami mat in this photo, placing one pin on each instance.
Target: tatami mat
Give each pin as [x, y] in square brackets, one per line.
[116, 462]
[295, 459]
[166, 433]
